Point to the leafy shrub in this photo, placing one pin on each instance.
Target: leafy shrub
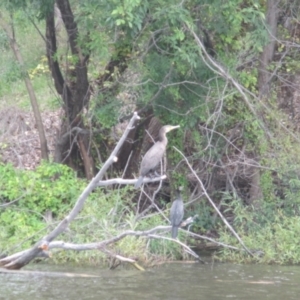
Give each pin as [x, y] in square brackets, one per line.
[271, 232]
[51, 187]
[19, 227]
[55, 187]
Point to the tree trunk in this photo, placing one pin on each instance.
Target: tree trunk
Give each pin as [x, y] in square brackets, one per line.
[73, 141]
[264, 77]
[264, 80]
[255, 193]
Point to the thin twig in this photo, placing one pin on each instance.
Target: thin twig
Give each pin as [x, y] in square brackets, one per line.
[213, 204]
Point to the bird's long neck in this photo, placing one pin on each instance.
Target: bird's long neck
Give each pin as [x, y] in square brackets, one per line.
[163, 138]
[178, 195]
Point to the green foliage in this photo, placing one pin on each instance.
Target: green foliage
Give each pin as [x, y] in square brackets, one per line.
[13, 5]
[165, 249]
[4, 40]
[19, 227]
[130, 13]
[205, 220]
[276, 239]
[239, 25]
[152, 38]
[42, 7]
[105, 111]
[159, 248]
[185, 101]
[10, 74]
[106, 215]
[54, 187]
[248, 79]
[271, 229]
[41, 68]
[267, 186]
[51, 187]
[31, 45]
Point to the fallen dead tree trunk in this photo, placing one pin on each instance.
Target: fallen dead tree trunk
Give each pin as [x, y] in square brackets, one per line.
[101, 246]
[19, 261]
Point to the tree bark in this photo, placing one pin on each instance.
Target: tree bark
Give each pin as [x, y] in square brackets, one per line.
[75, 89]
[75, 92]
[264, 77]
[255, 193]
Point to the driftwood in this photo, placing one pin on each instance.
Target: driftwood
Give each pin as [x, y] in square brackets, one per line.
[19, 261]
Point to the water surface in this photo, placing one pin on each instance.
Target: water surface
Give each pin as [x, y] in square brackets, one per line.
[171, 281]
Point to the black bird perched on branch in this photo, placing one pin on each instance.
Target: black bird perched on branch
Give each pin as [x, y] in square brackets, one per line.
[176, 214]
[154, 155]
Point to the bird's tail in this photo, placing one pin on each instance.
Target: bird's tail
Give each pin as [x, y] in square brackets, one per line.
[174, 232]
[139, 182]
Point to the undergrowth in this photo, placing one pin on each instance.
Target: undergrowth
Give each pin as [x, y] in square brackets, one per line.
[270, 233]
[29, 196]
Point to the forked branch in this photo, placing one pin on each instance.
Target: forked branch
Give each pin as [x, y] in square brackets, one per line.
[19, 261]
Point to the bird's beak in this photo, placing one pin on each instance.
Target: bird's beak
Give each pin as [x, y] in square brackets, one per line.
[173, 127]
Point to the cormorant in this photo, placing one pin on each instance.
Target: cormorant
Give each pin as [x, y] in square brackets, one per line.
[154, 155]
[176, 214]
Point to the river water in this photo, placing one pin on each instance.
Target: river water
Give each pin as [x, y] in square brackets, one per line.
[171, 281]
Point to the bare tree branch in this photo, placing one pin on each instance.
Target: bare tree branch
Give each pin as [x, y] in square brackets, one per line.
[62, 226]
[129, 181]
[213, 204]
[220, 70]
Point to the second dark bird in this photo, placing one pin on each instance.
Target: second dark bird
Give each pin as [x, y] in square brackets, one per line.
[154, 155]
[176, 214]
